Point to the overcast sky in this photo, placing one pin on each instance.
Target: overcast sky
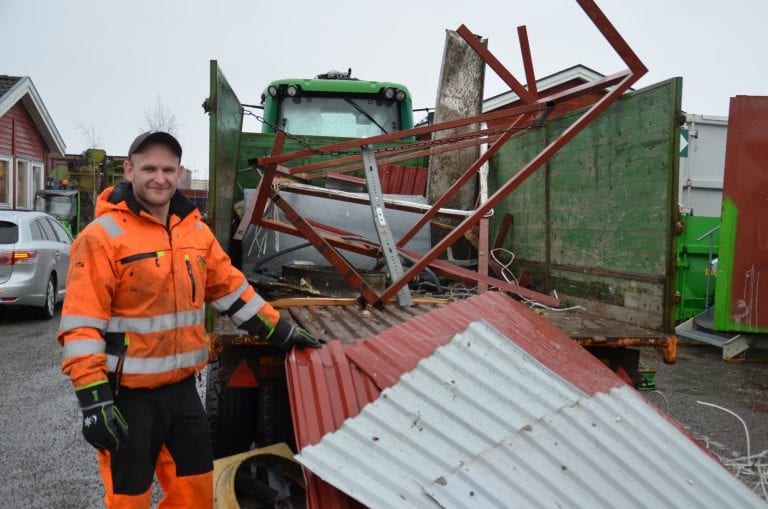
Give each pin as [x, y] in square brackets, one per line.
[102, 65]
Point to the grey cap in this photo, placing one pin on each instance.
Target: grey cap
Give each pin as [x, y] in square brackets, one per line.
[148, 137]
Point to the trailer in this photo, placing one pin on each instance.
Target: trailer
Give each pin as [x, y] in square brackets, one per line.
[576, 219]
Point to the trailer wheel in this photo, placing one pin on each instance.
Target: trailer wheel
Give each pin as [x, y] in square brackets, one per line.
[232, 414]
[275, 424]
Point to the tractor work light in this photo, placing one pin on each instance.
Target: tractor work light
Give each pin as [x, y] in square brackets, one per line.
[291, 90]
[389, 93]
[400, 95]
[272, 90]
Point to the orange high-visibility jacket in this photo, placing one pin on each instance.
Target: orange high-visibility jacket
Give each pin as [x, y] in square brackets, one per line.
[136, 294]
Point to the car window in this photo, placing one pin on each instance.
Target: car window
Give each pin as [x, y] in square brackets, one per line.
[37, 233]
[9, 232]
[61, 233]
[47, 230]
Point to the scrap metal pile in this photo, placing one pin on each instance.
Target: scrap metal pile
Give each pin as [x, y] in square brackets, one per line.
[366, 153]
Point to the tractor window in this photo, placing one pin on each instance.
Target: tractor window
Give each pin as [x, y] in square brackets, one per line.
[352, 117]
[59, 206]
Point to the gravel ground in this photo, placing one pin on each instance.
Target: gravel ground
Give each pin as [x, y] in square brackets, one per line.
[739, 389]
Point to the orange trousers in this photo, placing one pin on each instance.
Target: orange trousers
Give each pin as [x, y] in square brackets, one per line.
[188, 492]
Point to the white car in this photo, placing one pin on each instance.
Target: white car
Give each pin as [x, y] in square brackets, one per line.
[34, 259]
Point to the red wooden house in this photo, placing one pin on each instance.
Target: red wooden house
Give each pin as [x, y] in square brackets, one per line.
[28, 142]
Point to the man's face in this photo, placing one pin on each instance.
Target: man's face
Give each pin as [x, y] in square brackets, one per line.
[154, 172]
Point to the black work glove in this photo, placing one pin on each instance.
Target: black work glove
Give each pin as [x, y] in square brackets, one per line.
[103, 426]
[285, 336]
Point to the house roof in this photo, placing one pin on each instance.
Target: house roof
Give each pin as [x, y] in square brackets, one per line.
[20, 88]
[578, 72]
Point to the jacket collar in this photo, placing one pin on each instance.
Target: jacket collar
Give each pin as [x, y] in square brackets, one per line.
[123, 192]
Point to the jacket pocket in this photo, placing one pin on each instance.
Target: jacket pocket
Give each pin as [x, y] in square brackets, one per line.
[142, 256]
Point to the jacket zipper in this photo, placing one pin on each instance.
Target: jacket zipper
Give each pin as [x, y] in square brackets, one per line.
[141, 256]
[191, 275]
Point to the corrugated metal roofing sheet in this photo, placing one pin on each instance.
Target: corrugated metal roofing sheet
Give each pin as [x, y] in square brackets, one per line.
[610, 450]
[396, 179]
[332, 384]
[481, 422]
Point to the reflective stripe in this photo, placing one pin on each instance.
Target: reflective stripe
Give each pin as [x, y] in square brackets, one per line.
[224, 303]
[109, 225]
[156, 365]
[70, 322]
[157, 323]
[76, 347]
[246, 312]
[198, 225]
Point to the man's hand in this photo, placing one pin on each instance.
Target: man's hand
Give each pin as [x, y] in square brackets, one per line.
[286, 335]
[103, 425]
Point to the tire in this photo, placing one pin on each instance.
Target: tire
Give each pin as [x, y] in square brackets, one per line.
[275, 423]
[232, 414]
[48, 309]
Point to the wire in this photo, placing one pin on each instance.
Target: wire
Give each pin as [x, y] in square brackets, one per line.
[746, 431]
[506, 273]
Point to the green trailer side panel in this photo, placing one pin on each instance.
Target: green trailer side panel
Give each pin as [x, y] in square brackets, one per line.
[226, 119]
[595, 223]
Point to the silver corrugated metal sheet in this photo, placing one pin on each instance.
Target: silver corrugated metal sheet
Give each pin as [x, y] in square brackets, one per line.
[611, 450]
[481, 423]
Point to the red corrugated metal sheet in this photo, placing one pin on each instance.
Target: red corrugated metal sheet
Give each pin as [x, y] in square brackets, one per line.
[333, 383]
[394, 179]
[403, 179]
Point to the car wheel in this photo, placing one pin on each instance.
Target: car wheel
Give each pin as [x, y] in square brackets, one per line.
[49, 306]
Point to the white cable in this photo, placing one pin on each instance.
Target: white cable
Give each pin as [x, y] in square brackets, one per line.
[746, 431]
[534, 304]
[506, 273]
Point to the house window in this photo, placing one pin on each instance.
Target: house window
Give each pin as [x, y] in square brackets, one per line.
[38, 178]
[5, 182]
[29, 178]
[22, 185]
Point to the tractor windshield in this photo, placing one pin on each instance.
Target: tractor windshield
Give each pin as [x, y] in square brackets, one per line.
[57, 206]
[348, 116]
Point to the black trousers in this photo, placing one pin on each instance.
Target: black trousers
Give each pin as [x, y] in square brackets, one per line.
[170, 415]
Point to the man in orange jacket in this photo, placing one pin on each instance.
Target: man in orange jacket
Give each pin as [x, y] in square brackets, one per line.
[132, 328]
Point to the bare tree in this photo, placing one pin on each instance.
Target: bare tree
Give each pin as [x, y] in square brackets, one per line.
[92, 139]
[159, 118]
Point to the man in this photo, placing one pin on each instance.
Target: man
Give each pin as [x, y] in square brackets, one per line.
[132, 328]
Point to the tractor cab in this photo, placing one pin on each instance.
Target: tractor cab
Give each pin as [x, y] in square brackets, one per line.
[63, 204]
[336, 104]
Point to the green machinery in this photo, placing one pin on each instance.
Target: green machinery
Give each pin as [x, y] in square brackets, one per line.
[335, 104]
[88, 174]
[63, 204]
[697, 248]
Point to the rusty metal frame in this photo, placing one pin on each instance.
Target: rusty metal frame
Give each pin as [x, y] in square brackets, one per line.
[534, 109]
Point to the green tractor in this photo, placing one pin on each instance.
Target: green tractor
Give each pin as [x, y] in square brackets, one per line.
[63, 204]
[335, 104]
